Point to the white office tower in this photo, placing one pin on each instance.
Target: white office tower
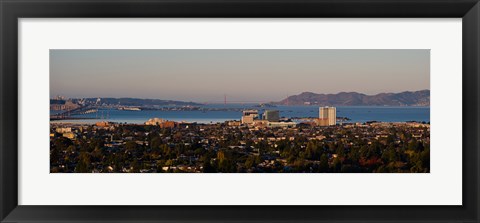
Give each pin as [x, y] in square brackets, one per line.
[328, 115]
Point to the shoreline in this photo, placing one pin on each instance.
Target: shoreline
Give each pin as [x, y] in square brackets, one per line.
[79, 122]
[296, 114]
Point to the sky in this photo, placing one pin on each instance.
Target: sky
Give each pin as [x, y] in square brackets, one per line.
[250, 75]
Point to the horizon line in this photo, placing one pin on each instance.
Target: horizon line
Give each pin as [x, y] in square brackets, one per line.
[210, 101]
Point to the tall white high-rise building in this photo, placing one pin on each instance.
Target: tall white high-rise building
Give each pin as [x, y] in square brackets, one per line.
[328, 115]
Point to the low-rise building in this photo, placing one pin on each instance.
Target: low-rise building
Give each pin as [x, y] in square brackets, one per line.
[161, 122]
[70, 135]
[249, 116]
[102, 124]
[234, 123]
[282, 124]
[63, 130]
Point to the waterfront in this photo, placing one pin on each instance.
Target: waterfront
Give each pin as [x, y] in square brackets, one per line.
[215, 113]
[240, 111]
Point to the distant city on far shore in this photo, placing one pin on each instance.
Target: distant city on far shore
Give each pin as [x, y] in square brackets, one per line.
[240, 111]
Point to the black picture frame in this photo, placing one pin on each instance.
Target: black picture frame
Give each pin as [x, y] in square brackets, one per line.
[12, 10]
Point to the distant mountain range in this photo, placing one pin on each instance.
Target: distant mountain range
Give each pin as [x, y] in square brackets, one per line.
[406, 98]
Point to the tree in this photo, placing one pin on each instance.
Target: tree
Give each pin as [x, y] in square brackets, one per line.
[337, 164]
[340, 149]
[324, 163]
[135, 166]
[83, 165]
[130, 146]
[310, 151]
[417, 167]
[425, 158]
[207, 167]
[250, 162]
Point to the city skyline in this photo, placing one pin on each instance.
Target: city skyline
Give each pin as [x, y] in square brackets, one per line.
[241, 75]
[347, 111]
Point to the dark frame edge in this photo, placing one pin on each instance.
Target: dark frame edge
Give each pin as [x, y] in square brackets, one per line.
[471, 85]
[8, 115]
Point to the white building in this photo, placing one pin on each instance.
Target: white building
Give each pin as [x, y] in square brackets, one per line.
[329, 114]
[282, 124]
[155, 121]
[249, 116]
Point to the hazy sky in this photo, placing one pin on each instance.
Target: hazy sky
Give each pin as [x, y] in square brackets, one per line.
[242, 75]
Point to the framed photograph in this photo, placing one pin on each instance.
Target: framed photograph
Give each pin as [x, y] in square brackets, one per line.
[228, 111]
